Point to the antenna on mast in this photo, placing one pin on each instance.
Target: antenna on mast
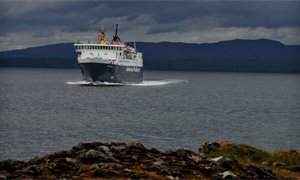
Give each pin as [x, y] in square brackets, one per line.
[116, 34]
[134, 45]
[116, 39]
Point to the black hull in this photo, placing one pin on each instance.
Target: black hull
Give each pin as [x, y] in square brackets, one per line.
[111, 73]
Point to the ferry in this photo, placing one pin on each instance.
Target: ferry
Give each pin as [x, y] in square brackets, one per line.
[112, 62]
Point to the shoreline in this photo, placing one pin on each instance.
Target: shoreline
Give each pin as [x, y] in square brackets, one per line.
[133, 160]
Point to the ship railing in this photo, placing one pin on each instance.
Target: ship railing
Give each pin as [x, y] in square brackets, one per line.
[86, 42]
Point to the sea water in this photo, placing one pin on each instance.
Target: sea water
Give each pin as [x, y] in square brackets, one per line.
[45, 110]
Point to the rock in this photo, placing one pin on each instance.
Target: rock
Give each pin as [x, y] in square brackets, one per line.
[206, 170]
[164, 172]
[135, 176]
[11, 164]
[91, 156]
[173, 178]
[196, 159]
[119, 148]
[2, 176]
[295, 168]
[154, 151]
[71, 160]
[158, 162]
[136, 144]
[81, 171]
[87, 146]
[184, 153]
[209, 147]
[258, 173]
[225, 162]
[104, 149]
[126, 171]
[184, 171]
[98, 172]
[59, 154]
[278, 164]
[228, 175]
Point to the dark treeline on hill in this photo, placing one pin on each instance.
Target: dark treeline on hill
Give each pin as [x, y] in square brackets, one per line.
[260, 55]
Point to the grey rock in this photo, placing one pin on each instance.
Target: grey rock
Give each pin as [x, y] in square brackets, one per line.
[228, 175]
[173, 178]
[158, 162]
[208, 147]
[126, 170]
[104, 149]
[119, 148]
[136, 144]
[278, 164]
[91, 156]
[184, 153]
[196, 159]
[225, 162]
[71, 160]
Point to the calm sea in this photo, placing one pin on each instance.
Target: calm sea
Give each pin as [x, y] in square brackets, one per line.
[45, 110]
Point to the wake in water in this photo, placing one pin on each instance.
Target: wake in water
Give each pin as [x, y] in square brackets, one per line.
[143, 83]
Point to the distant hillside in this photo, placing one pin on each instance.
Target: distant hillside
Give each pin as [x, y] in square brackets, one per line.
[261, 55]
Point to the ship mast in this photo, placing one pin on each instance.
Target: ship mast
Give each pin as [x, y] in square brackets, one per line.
[116, 34]
[116, 39]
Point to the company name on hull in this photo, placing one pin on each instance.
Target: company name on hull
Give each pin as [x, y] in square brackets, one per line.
[133, 69]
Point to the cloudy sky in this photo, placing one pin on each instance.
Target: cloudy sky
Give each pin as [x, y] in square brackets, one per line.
[38, 22]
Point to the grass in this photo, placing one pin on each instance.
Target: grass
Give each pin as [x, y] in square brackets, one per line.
[245, 154]
[242, 153]
[289, 157]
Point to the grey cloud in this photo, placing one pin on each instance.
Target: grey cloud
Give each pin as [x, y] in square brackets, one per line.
[230, 14]
[75, 16]
[149, 19]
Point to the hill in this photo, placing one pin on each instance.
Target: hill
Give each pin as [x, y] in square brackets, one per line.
[238, 55]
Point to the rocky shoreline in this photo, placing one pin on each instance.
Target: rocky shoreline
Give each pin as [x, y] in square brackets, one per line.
[132, 160]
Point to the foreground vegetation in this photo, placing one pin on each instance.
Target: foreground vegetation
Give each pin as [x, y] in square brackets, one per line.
[284, 164]
[213, 160]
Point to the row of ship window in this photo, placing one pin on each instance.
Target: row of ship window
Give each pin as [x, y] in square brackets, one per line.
[99, 47]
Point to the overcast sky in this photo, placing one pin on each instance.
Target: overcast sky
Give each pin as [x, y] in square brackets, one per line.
[37, 22]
